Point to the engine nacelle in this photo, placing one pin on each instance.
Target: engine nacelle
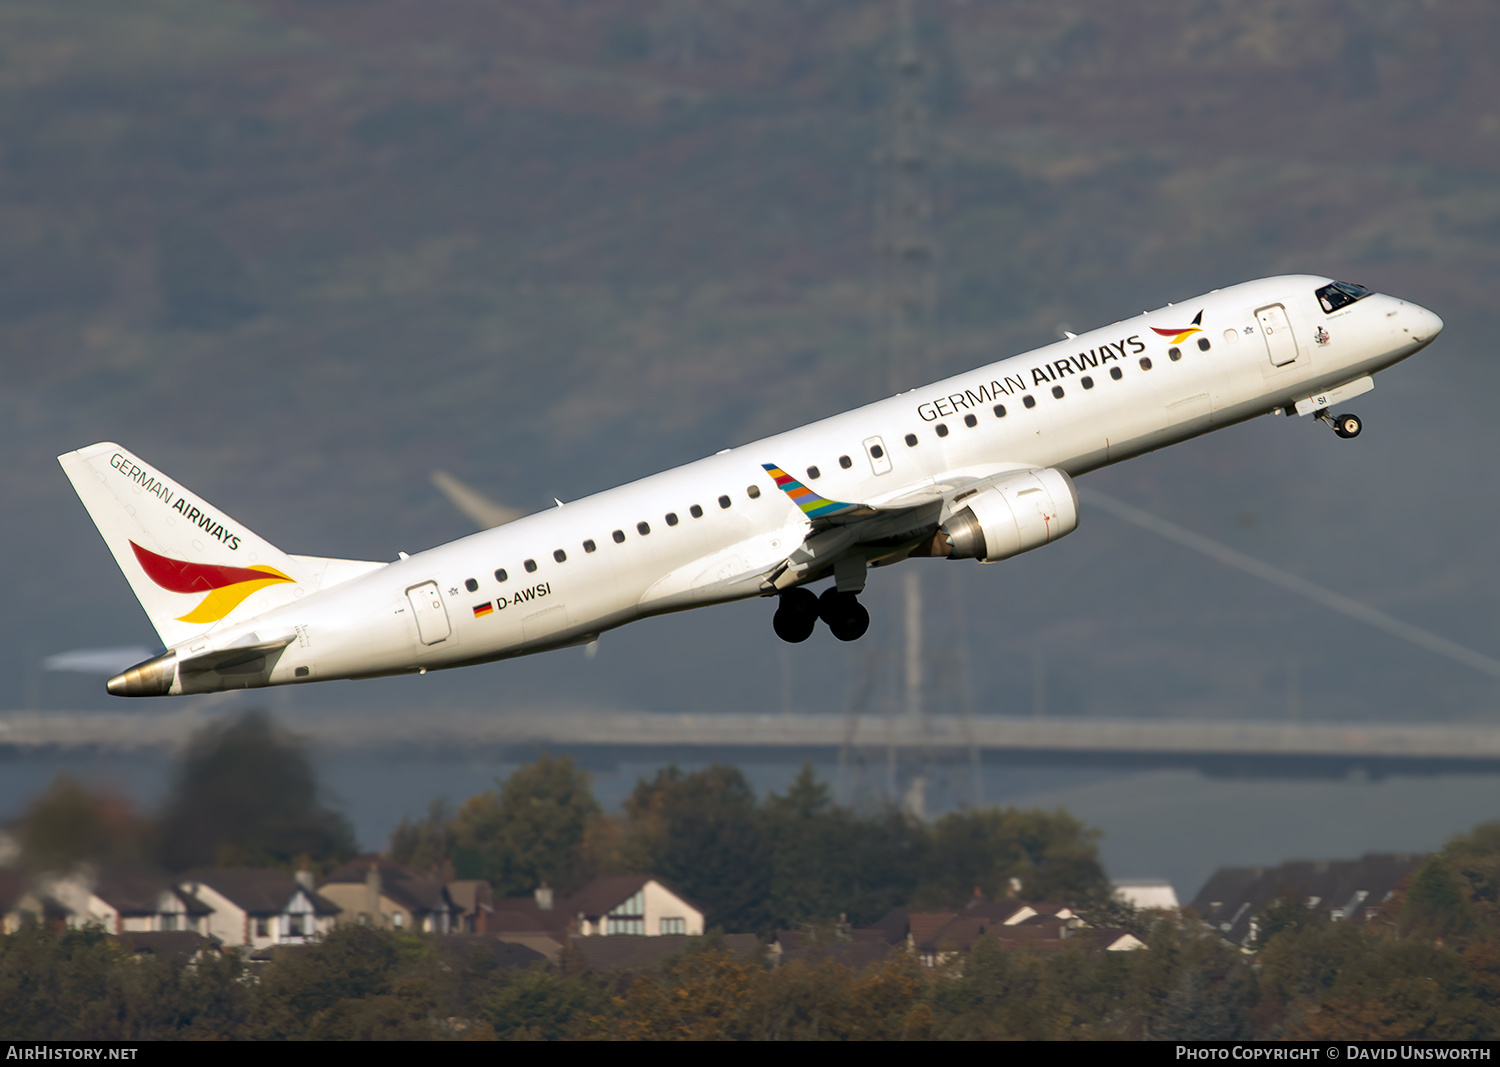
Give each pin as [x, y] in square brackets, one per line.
[1014, 514]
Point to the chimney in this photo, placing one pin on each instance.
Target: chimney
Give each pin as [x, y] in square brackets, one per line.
[544, 897]
[305, 878]
[372, 893]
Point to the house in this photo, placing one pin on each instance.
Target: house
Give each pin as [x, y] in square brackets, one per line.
[939, 938]
[615, 904]
[1147, 894]
[1347, 890]
[855, 949]
[123, 900]
[475, 903]
[377, 891]
[258, 909]
[21, 903]
[632, 904]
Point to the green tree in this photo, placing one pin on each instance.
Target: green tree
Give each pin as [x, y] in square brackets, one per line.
[702, 834]
[426, 843]
[340, 988]
[532, 830]
[825, 861]
[245, 793]
[1051, 854]
[542, 1004]
[70, 824]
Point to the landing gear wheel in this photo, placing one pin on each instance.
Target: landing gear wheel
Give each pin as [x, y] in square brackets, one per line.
[797, 616]
[846, 617]
[1347, 425]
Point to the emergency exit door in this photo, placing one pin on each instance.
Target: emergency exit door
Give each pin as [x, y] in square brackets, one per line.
[427, 608]
[1281, 344]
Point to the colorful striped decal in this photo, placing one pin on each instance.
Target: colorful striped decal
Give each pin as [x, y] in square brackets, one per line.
[812, 505]
[481, 610]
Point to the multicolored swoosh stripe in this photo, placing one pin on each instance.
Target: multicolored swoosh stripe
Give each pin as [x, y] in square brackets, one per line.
[1179, 334]
[812, 505]
[227, 587]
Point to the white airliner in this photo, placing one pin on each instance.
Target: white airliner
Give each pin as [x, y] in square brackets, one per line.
[978, 466]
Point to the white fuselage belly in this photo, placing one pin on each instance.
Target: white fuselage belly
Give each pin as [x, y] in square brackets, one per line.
[368, 627]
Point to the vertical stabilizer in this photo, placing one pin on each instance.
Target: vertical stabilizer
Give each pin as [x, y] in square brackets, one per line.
[192, 567]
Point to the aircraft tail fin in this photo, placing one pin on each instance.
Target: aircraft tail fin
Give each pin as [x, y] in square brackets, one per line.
[190, 565]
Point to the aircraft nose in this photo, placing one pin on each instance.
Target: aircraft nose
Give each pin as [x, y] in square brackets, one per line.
[1428, 325]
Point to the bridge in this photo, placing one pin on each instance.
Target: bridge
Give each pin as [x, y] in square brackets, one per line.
[602, 738]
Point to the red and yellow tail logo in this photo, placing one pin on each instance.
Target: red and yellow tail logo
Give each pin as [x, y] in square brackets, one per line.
[1179, 334]
[227, 587]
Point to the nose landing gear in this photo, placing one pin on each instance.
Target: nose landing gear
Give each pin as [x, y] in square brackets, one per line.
[800, 610]
[1346, 426]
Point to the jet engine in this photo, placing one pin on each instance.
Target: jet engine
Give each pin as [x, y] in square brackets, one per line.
[1013, 514]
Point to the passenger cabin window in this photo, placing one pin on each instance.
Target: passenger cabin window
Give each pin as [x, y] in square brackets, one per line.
[1087, 383]
[724, 502]
[1203, 344]
[845, 462]
[671, 518]
[752, 491]
[813, 472]
[876, 451]
[999, 411]
[1057, 391]
[942, 429]
[643, 528]
[530, 566]
[1335, 295]
[1116, 373]
[1029, 400]
[1145, 363]
[970, 421]
[500, 575]
[911, 440]
[589, 546]
[560, 556]
[471, 585]
[619, 536]
[1174, 354]
[695, 511]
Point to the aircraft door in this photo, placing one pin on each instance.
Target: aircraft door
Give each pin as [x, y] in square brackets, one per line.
[427, 608]
[1281, 343]
[876, 453]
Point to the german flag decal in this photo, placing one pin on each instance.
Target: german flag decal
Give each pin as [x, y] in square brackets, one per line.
[481, 610]
[227, 587]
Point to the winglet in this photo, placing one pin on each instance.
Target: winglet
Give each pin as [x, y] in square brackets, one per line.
[812, 505]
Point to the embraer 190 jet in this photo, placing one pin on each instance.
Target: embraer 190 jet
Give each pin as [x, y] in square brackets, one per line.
[979, 466]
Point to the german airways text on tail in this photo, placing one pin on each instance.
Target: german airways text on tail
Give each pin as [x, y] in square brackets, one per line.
[979, 466]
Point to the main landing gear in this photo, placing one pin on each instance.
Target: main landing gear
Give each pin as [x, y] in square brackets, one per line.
[800, 611]
[1344, 425]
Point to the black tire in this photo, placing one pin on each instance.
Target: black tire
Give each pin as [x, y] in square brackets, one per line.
[792, 627]
[851, 626]
[1347, 426]
[797, 616]
[833, 605]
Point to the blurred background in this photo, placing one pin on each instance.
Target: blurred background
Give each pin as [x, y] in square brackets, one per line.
[301, 253]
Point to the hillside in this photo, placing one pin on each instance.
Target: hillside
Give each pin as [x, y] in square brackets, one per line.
[300, 253]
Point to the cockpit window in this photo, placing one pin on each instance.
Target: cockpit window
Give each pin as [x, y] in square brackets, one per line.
[1335, 295]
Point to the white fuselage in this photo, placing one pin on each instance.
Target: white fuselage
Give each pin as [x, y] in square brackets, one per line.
[429, 610]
